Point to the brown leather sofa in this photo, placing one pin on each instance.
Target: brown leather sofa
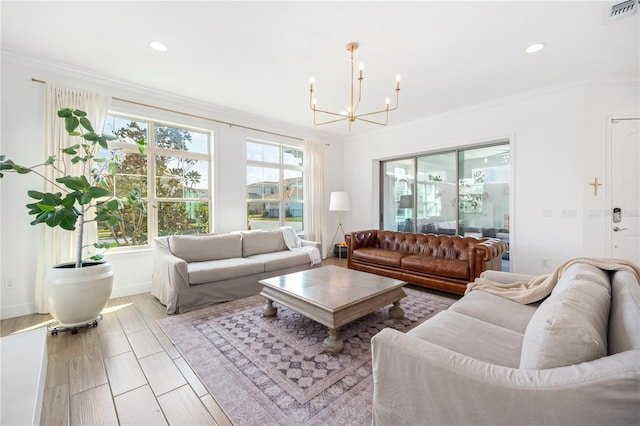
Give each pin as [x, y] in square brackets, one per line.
[443, 262]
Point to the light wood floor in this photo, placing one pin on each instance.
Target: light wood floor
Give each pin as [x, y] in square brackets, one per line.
[124, 371]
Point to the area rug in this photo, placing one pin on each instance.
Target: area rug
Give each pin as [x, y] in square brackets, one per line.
[271, 371]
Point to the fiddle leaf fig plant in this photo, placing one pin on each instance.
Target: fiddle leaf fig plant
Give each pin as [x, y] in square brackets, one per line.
[76, 195]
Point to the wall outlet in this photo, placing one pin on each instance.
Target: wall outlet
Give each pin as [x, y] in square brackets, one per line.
[595, 213]
[8, 284]
[545, 263]
[547, 213]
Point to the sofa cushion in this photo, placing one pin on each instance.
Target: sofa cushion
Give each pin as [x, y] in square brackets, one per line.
[262, 241]
[624, 318]
[379, 256]
[495, 310]
[223, 269]
[200, 248]
[453, 268]
[472, 337]
[569, 327]
[281, 259]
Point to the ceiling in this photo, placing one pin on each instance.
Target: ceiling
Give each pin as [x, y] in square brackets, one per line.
[257, 57]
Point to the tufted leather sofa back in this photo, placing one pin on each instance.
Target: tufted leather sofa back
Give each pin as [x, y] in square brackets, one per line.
[446, 246]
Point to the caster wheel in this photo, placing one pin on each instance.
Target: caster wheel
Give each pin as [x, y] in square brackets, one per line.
[94, 324]
[74, 331]
[54, 333]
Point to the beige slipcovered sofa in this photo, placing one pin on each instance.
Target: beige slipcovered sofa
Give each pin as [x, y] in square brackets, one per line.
[572, 359]
[191, 271]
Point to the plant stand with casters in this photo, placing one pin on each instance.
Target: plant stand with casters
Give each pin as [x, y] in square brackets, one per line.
[57, 327]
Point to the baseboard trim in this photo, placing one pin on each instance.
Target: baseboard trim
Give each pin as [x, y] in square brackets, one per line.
[30, 308]
[131, 290]
[17, 310]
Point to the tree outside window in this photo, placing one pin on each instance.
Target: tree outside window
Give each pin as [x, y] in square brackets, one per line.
[171, 174]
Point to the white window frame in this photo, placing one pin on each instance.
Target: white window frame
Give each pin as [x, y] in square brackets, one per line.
[281, 166]
[150, 151]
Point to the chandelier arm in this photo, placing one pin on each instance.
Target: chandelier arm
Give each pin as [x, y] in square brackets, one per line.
[327, 122]
[373, 113]
[328, 112]
[386, 121]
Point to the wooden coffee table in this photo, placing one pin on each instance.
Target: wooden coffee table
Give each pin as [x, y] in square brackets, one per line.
[333, 296]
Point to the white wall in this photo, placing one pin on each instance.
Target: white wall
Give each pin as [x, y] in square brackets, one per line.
[558, 144]
[22, 134]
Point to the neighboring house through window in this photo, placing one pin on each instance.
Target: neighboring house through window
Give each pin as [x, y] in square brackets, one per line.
[275, 189]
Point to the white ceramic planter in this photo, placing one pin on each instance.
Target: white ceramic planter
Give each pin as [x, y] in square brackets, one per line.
[78, 295]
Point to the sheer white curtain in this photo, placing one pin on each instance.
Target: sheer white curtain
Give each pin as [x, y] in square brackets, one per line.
[56, 245]
[314, 190]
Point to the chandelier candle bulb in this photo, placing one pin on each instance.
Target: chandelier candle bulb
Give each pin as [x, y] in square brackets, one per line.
[361, 67]
[398, 82]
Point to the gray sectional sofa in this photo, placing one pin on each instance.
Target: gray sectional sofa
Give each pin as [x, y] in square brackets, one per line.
[571, 359]
[191, 271]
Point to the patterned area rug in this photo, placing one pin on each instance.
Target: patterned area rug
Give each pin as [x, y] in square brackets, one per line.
[268, 371]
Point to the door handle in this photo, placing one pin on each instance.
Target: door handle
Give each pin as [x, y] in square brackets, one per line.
[616, 229]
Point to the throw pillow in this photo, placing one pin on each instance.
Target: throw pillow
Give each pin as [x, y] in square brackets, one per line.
[569, 327]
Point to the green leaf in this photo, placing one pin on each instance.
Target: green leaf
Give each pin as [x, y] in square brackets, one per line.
[91, 136]
[91, 193]
[46, 207]
[79, 113]
[84, 122]
[37, 195]
[71, 150]
[113, 205]
[71, 124]
[21, 170]
[50, 160]
[65, 112]
[103, 142]
[75, 183]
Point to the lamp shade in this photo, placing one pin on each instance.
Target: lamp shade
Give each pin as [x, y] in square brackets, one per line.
[339, 201]
[406, 201]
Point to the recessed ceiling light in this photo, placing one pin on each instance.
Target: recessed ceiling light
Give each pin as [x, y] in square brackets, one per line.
[536, 47]
[156, 45]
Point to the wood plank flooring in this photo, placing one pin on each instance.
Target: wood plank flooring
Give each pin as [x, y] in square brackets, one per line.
[124, 371]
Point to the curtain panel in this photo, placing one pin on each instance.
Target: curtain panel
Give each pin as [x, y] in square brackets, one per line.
[314, 190]
[56, 245]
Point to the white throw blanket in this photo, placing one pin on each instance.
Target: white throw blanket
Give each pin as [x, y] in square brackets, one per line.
[541, 286]
[294, 243]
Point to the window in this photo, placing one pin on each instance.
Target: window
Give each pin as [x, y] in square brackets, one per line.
[171, 175]
[463, 192]
[275, 188]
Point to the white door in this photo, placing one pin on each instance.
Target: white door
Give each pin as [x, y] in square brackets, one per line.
[625, 190]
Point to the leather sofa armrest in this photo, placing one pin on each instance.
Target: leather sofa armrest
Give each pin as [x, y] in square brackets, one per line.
[360, 239]
[485, 254]
[490, 248]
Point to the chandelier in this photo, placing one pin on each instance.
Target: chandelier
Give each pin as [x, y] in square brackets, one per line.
[351, 113]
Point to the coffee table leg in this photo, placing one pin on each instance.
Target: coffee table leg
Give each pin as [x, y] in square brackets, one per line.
[268, 310]
[333, 344]
[396, 312]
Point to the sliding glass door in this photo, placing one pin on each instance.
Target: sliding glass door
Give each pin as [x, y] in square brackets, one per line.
[458, 192]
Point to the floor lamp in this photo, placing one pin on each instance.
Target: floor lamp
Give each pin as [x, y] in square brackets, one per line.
[339, 202]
